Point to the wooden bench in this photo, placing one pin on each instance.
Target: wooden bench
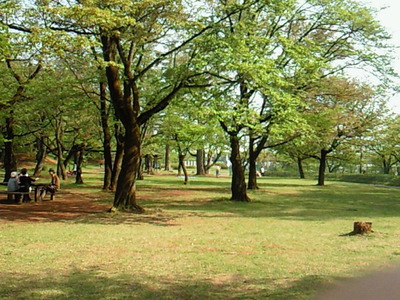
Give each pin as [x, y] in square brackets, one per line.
[10, 194]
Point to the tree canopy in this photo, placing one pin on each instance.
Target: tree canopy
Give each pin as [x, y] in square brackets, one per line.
[267, 72]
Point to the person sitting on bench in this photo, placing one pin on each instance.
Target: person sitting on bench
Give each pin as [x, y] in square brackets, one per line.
[25, 183]
[12, 186]
[52, 187]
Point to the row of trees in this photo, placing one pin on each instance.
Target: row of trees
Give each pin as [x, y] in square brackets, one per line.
[87, 76]
[375, 152]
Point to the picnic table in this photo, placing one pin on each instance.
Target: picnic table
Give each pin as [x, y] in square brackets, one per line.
[37, 187]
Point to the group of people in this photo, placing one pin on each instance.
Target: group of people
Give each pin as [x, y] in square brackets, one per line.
[22, 182]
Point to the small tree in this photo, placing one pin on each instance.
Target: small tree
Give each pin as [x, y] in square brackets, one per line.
[341, 111]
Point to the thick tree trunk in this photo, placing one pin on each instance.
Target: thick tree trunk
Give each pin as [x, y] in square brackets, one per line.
[125, 195]
[300, 168]
[107, 155]
[10, 163]
[200, 162]
[183, 167]
[124, 94]
[386, 167]
[252, 184]
[362, 228]
[149, 163]
[127, 108]
[322, 167]
[238, 184]
[167, 166]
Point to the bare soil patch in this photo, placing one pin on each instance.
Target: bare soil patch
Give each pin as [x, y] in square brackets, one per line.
[66, 206]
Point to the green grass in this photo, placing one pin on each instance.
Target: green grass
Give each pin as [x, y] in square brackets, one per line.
[193, 243]
[384, 179]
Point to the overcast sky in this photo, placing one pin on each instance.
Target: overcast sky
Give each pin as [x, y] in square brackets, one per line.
[390, 18]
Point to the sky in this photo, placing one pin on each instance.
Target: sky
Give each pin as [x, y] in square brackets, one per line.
[390, 19]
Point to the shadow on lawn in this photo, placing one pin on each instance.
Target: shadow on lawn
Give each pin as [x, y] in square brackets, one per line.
[166, 204]
[93, 284]
[304, 202]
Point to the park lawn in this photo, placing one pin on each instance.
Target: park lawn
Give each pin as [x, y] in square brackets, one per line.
[193, 243]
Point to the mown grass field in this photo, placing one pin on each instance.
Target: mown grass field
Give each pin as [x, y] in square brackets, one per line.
[193, 243]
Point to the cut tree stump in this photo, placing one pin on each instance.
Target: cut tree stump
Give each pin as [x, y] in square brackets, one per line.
[362, 228]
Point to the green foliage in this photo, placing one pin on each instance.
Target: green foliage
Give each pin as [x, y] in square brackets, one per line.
[188, 126]
[249, 66]
[341, 111]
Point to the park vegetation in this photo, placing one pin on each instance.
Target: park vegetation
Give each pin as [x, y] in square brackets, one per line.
[129, 83]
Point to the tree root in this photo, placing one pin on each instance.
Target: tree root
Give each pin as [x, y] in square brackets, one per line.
[130, 209]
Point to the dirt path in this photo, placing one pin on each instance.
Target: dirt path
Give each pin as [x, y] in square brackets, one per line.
[66, 206]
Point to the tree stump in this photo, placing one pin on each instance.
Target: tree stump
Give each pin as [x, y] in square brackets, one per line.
[362, 228]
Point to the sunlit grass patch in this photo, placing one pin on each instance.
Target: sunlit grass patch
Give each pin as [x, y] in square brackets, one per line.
[194, 243]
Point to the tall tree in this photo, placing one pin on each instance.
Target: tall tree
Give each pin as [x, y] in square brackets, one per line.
[136, 39]
[18, 96]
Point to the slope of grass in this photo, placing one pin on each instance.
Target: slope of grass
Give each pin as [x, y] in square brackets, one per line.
[193, 243]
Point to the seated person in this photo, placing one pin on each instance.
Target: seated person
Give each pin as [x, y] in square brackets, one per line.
[12, 186]
[53, 186]
[25, 182]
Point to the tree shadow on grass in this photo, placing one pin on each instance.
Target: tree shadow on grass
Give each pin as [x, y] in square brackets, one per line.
[165, 205]
[310, 203]
[99, 284]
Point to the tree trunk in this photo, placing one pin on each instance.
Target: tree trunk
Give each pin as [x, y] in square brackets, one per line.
[60, 161]
[208, 162]
[211, 160]
[118, 157]
[127, 108]
[107, 155]
[140, 175]
[149, 163]
[78, 159]
[252, 184]
[322, 167]
[167, 166]
[362, 228]
[300, 168]
[360, 168]
[125, 97]
[179, 169]
[156, 165]
[10, 163]
[40, 156]
[238, 184]
[183, 167]
[70, 155]
[200, 162]
[125, 195]
[386, 167]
